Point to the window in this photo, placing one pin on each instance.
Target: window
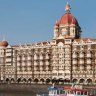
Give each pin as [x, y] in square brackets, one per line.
[81, 93]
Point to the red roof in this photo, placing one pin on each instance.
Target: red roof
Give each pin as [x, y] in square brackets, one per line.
[85, 40]
[37, 44]
[67, 18]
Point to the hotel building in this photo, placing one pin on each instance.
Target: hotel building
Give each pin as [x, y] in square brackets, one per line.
[64, 59]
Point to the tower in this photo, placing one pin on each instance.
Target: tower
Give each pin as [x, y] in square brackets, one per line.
[67, 26]
[66, 30]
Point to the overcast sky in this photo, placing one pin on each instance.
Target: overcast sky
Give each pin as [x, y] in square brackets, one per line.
[31, 21]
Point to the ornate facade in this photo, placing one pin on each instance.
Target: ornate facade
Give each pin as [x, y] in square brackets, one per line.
[66, 58]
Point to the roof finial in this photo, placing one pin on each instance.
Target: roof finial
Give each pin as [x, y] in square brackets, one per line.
[67, 8]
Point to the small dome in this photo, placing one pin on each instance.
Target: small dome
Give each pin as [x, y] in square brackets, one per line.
[3, 43]
[56, 26]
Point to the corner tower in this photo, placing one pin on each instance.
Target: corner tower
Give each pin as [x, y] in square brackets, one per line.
[67, 26]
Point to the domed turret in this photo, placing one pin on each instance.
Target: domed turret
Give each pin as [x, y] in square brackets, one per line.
[56, 26]
[67, 26]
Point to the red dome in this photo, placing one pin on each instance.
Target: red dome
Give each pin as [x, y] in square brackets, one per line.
[67, 18]
[3, 43]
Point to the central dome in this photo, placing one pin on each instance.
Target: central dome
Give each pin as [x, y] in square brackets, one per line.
[69, 19]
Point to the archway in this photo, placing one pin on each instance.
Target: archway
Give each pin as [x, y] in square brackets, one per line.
[18, 80]
[66, 81]
[74, 81]
[54, 80]
[42, 80]
[60, 80]
[29, 80]
[48, 81]
[89, 81]
[81, 81]
[12, 80]
[36, 80]
[24, 80]
[7, 80]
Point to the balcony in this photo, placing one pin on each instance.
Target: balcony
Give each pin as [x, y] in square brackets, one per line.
[74, 62]
[88, 55]
[47, 63]
[47, 57]
[74, 56]
[29, 58]
[88, 61]
[89, 67]
[81, 55]
[41, 63]
[81, 67]
[41, 57]
[81, 62]
[75, 68]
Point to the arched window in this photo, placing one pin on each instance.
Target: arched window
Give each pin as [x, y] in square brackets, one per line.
[89, 81]
[74, 80]
[48, 81]
[81, 81]
[36, 80]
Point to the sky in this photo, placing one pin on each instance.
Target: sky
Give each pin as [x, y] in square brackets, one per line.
[32, 21]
